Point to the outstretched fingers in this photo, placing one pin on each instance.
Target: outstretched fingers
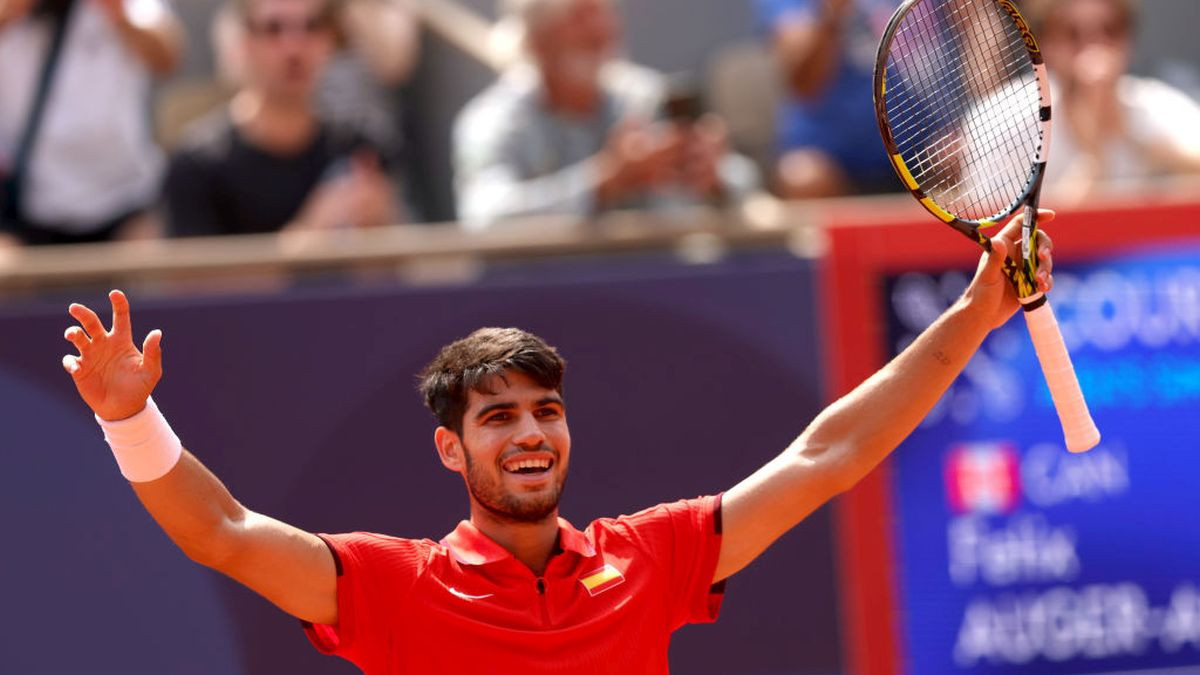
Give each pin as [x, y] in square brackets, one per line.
[120, 308]
[77, 337]
[88, 319]
[152, 352]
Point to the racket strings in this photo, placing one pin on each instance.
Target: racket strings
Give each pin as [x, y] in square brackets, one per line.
[1001, 76]
[931, 156]
[939, 157]
[956, 92]
[1009, 78]
[962, 103]
[934, 156]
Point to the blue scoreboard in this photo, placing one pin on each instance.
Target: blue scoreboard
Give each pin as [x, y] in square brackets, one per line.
[1013, 555]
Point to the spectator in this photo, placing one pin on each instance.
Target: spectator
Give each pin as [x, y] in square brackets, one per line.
[828, 141]
[268, 161]
[570, 130]
[376, 52]
[1111, 129]
[77, 157]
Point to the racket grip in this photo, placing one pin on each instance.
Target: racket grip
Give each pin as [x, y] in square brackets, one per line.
[1078, 428]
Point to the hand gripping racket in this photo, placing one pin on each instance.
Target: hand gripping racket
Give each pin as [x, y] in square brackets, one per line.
[963, 105]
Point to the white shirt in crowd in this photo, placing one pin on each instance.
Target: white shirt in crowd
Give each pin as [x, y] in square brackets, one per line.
[94, 158]
[1156, 115]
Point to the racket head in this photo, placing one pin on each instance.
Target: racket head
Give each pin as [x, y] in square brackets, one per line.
[963, 105]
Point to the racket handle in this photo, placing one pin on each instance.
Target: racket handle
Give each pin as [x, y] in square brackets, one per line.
[1078, 428]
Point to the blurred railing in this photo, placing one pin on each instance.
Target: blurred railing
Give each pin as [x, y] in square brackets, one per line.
[414, 254]
[444, 253]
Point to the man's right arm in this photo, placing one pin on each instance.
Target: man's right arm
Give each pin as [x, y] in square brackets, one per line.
[288, 566]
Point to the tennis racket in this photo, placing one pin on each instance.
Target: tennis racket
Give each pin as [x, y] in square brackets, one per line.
[963, 105]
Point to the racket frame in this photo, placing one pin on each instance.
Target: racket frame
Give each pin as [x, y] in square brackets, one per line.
[1022, 276]
[1079, 431]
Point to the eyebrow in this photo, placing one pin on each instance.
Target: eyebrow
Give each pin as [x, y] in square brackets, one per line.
[509, 405]
[488, 409]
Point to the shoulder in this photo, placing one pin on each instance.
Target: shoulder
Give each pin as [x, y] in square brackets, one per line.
[662, 521]
[1153, 96]
[380, 556]
[367, 545]
[506, 102]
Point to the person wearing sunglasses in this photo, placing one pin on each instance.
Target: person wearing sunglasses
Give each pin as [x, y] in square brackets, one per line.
[1113, 131]
[269, 161]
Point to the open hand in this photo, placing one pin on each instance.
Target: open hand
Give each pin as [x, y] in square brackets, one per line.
[637, 157]
[112, 376]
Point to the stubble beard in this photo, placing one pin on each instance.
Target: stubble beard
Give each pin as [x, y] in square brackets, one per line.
[508, 506]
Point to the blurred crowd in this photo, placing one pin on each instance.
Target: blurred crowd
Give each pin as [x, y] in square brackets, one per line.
[305, 132]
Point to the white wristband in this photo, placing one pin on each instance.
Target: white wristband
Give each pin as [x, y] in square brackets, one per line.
[144, 445]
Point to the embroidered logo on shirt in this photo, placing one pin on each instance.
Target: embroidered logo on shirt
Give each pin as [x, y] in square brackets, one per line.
[468, 596]
[598, 581]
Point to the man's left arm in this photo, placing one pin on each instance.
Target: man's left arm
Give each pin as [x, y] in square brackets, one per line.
[150, 29]
[854, 434]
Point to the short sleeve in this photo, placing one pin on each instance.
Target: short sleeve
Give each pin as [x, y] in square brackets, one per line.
[375, 574]
[685, 538]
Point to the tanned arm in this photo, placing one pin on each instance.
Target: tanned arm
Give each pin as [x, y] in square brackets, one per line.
[290, 567]
[852, 436]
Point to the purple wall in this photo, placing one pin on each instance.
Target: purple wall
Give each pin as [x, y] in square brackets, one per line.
[681, 381]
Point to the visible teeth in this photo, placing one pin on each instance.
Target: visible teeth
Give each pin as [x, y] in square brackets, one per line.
[527, 464]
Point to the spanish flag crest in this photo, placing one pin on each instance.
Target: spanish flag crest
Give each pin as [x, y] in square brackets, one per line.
[600, 580]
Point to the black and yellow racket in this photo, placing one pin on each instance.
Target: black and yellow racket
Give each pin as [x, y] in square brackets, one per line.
[964, 108]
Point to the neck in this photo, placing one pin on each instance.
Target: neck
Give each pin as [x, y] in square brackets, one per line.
[273, 123]
[568, 95]
[531, 543]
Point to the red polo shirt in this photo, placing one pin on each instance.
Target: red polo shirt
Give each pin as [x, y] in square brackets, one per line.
[606, 604]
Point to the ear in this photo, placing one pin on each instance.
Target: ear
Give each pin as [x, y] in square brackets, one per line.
[450, 449]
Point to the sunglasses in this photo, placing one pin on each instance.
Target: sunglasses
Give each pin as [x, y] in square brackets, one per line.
[277, 28]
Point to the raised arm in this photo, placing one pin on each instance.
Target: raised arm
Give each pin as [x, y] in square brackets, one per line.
[807, 45]
[150, 30]
[288, 566]
[854, 434]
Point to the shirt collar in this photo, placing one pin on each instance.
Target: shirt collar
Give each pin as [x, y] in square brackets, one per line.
[469, 546]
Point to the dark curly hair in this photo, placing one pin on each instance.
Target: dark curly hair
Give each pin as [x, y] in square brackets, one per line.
[468, 364]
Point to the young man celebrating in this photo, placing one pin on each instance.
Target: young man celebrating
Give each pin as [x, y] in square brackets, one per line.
[516, 589]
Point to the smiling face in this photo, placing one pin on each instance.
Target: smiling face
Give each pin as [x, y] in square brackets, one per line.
[513, 449]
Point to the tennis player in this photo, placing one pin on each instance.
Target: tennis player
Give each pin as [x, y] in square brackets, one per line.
[515, 588]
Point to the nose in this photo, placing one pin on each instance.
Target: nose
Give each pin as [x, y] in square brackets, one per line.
[529, 433]
[293, 40]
